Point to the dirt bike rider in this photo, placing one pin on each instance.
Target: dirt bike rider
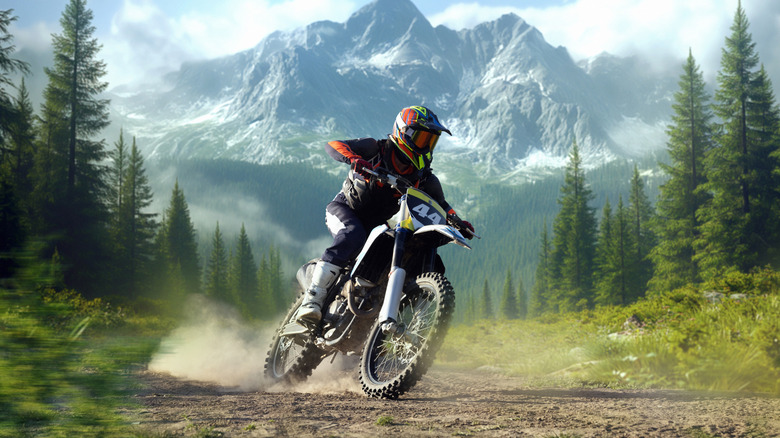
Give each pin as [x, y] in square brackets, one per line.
[362, 204]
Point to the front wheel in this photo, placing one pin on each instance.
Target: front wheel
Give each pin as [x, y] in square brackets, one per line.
[292, 358]
[391, 364]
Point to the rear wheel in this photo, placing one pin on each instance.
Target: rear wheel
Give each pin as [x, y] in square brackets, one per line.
[292, 358]
[391, 364]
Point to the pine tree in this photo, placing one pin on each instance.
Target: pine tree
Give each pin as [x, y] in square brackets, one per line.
[473, 309]
[8, 65]
[244, 276]
[616, 270]
[764, 116]
[177, 247]
[574, 241]
[604, 275]
[10, 227]
[76, 83]
[15, 178]
[120, 222]
[681, 196]
[522, 300]
[75, 115]
[158, 271]
[217, 286]
[541, 289]
[264, 298]
[486, 304]
[139, 226]
[736, 219]
[630, 280]
[49, 172]
[117, 173]
[640, 213]
[266, 305]
[509, 308]
[17, 158]
[276, 280]
[15, 142]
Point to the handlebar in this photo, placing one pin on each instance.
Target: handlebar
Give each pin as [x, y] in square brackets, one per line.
[400, 184]
[383, 175]
[465, 230]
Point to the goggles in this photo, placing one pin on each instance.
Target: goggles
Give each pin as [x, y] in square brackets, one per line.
[424, 141]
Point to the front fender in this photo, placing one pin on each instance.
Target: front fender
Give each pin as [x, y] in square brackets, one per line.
[446, 230]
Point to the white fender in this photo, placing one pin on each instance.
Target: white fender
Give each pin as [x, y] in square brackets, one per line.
[372, 236]
[446, 230]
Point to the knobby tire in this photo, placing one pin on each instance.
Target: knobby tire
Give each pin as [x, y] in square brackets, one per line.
[390, 365]
[291, 360]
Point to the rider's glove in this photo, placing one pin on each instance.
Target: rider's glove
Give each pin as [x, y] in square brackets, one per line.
[460, 224]
[359, 166]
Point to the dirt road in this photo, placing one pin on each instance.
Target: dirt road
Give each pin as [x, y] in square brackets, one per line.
[447, 403]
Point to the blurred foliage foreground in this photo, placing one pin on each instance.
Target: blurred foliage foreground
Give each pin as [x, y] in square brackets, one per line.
[66, 363]
[723, 336]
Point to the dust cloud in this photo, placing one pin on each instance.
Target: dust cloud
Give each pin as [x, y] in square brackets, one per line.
[215, 344]
[331, 377]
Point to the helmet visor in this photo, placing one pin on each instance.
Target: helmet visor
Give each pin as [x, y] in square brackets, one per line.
[424, 140]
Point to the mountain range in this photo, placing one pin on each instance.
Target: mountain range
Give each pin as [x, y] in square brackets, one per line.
[514, 103]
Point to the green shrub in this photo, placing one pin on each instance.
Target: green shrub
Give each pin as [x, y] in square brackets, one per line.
[384, 420]
[689, 341]
[758, 282]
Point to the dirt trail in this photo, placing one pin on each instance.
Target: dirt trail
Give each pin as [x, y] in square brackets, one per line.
[448, 403]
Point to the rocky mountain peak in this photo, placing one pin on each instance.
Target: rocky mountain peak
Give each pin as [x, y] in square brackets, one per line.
[385, 22]
[509, 96]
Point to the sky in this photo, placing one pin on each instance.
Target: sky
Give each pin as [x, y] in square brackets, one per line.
[150, 37]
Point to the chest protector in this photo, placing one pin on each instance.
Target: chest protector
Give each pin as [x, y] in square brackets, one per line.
[370, 199]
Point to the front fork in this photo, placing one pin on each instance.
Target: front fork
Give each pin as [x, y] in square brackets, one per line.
[388, 314]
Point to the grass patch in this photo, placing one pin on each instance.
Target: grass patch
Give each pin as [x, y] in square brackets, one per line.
[384, 420]
[724, 335]
[530, 348]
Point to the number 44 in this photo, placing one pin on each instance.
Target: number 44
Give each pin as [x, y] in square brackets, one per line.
[423, 209]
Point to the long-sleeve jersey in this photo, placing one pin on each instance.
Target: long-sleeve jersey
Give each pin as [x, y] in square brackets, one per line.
[375, 200]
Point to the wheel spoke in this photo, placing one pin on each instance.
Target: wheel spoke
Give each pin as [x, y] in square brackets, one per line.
[421, 320]
[394, 353]
[284, 355]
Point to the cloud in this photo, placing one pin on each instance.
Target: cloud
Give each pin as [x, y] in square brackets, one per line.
[147, 41]
[467, 15]
[147, 38]
[659, 30]
[143, 41]
[35, 38]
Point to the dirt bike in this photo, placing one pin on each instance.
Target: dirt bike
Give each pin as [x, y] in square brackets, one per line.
[392, 305]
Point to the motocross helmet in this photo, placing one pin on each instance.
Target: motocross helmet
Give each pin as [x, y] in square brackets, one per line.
[415, 133]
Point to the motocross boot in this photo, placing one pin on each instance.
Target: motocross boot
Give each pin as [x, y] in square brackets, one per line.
[323, 277]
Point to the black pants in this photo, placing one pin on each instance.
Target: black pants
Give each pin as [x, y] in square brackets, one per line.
[349, 231]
